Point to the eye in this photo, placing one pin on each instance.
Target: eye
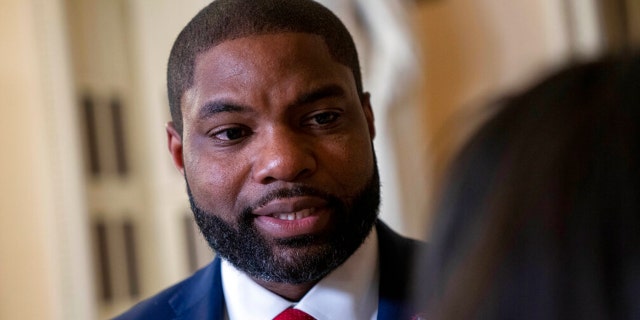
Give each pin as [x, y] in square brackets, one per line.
[231, 134]
[323, 118]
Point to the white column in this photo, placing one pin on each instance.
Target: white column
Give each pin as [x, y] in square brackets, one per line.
[44, 263]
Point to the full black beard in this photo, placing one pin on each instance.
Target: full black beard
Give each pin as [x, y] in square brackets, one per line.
[244, 247]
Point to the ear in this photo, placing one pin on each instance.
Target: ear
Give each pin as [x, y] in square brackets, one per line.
[174, 142]
[368, 113]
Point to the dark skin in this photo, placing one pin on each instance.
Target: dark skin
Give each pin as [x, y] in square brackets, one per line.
[268, 112]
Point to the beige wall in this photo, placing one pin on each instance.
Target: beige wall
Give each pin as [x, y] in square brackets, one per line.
[24, 249]
[477, 50]
[43, 254]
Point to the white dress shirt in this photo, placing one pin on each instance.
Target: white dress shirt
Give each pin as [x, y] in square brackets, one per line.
[348, 292]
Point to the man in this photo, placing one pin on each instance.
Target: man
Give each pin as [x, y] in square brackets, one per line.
[273, 134]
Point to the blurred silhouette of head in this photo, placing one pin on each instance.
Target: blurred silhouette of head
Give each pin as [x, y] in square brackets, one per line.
[540, 218]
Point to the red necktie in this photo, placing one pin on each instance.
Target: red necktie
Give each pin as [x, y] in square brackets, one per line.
[293, 314]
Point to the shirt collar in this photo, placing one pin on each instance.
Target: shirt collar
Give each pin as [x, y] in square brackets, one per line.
[348, 292]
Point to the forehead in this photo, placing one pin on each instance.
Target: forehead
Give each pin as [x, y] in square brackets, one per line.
[263, 64]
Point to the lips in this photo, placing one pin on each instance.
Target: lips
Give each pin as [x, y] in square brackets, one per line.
[286, 217]
[291, 208]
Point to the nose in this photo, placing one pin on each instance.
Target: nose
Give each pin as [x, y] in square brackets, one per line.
[284, 156]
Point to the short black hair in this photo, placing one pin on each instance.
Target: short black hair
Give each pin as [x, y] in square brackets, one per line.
[224, 20]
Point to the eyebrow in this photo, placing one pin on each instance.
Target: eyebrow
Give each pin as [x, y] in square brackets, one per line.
[328, 91]
[215, 107]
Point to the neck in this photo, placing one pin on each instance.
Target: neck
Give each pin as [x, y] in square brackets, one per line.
[291, 292]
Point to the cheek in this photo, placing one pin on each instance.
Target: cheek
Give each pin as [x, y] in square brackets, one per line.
[214, 181]
[350, 162]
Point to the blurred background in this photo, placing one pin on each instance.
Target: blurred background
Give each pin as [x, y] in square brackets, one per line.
[93, 216]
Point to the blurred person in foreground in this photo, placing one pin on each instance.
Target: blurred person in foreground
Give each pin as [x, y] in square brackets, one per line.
[273, 133]
[540, 217]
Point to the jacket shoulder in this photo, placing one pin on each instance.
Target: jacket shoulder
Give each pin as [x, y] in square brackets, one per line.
[155, 307]
[170, 302]
[396, 247]
[397, 255]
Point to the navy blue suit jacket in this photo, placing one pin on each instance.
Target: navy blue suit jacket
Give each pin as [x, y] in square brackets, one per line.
[201, 297]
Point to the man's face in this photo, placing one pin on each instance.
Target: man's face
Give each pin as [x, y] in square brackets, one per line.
[276, 150]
